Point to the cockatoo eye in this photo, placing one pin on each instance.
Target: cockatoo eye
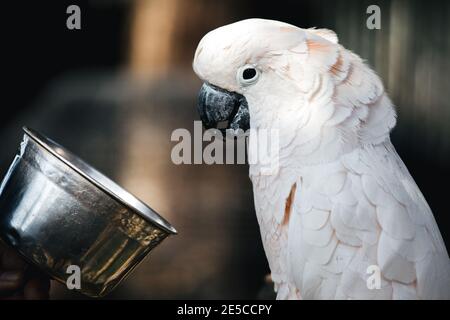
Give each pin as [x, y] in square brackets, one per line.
[247, 75]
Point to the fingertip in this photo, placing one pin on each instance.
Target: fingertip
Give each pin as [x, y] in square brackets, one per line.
[37, 289]
[11, 260]
[11, 281]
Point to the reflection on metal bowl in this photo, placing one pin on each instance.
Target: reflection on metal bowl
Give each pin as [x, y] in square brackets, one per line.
[58, 211]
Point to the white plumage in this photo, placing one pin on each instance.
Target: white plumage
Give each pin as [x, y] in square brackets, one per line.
[342, 199]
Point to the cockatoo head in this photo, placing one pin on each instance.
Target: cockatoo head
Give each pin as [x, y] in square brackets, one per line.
[250, 60]
[266, 74]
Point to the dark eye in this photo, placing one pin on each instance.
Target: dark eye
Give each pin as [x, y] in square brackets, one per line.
[249, 74]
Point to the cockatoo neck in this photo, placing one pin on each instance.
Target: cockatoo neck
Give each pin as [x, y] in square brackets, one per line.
[300, 136]
[319, 130]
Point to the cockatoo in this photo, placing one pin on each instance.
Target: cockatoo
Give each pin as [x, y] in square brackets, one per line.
[341, 218]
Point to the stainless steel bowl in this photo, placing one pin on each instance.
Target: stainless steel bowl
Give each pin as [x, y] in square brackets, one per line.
[58, 211]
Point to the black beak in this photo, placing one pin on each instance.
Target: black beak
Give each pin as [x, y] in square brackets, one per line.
[222, 109]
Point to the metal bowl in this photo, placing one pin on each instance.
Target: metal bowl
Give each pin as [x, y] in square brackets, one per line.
[61, 215]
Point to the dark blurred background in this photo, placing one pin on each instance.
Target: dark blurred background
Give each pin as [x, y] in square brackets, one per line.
[114, 91]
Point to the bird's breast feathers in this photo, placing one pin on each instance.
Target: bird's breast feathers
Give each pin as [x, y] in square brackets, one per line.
[325, 226]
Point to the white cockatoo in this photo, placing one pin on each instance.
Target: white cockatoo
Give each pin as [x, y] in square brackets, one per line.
[341, 218]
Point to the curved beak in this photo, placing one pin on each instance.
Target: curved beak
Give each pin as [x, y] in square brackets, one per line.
[222, 109]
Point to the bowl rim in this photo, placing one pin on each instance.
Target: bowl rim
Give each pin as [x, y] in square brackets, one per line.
[100, 180]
